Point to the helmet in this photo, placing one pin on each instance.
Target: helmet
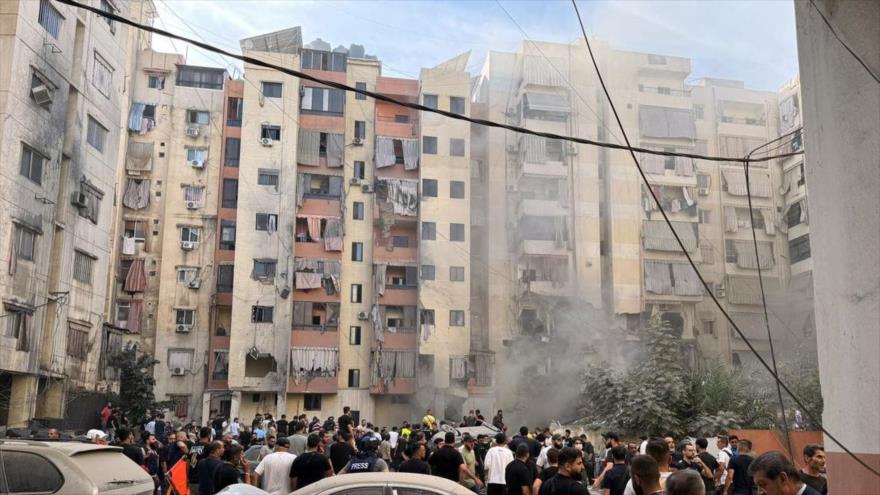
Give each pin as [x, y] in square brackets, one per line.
[370, 444]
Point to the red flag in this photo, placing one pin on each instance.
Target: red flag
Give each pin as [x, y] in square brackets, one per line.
[177, 478]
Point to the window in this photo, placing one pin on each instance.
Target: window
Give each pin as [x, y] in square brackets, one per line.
[230, 193]
[272, 132]
[456, 274]
[50, 19]
[234, 111]
[194, 194]
[156, 82]
[135, 229]
[97, 134]
[429, 145]
[799, 248]
[325, 100]
[456, 232]
[400, 241]
[30, 473]
[312, 402]
[322, 186]
[704, 216]
[456, 318]
[427, 316]
[429, 188]
[122, 310]
[181, 405]
[322, 60]
[31, 165]
[794, 214]
[264, 269]
[77, 342]
[17, 327]
[225, 277]
[190, 234]
[427, 272]
[707, 253]
[232, 152]
[262, 314]
[25, 243]
[708, 327]
[184, 317]
[730, 251]
[802, 179]
[429, 231]
[196, 156]
[662, 90]
[456, 147]
[266, 222]
[456, 189]
[354, 335]
[82, 267]
[200, 77]
[361, 86]
[187, 275]
[430, 101]
[357, 251]
[227, 235]
[359, 169]
[698, 112]
[757, 219]
[271, 89]
[180, 358]
[106, 6]
[102, 76]
[357, 293]
[456, 105]
[354, 378]
[267, 177]
[401, 119]
[360, 129]
[220, 369]
[357, 212]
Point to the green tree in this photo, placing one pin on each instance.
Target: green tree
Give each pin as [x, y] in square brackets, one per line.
[136, 383]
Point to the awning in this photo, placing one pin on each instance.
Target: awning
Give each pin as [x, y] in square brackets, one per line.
[743, 290]
[745, 254]
[663, 122]
[657, 236]
[139, 157]
[751, 324]
[546, 102]
[759, 181]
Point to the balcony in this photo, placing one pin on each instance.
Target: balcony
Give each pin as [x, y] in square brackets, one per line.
[660, 90]
[394, 126]
[543, 170]
[397, 386]
[395, 86]
[396, 255]
[393, 371]
[548, 288]
[317, 385]
[543, 248]
[541, 208]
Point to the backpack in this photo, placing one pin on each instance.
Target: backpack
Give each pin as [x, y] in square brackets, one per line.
[362, 463]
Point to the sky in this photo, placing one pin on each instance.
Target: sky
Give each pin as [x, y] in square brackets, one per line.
[751, 41]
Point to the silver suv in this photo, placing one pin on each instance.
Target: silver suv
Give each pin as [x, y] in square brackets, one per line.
[74, 468]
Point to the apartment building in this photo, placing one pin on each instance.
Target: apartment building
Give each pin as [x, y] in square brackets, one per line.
[587, 251]
[168, 226]
[63, 104]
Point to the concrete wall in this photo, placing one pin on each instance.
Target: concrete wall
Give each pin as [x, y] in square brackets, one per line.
[841, 105]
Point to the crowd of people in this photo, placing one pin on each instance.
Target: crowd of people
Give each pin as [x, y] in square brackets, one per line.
[281, 455]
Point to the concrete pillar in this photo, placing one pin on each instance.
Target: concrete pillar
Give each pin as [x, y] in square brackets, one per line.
[841, 106]
[52, 400]
[206, 408]
[22, 400]
[235, 405]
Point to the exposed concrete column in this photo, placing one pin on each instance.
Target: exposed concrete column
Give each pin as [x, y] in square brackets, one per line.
[841, 105]
[235, 404]
[206, 408]
[22, 399]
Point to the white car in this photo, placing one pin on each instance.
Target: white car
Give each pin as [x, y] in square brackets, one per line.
[384, 484]
[69, 468]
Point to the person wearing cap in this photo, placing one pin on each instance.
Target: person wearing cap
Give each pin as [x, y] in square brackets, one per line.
[448, 463]
[273, 472]
[557, 443]
[97, 436]
[310, 467]
[612, 439]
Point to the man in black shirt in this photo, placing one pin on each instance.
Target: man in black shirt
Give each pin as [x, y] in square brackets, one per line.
[132, 451]
[615, 478]
[311, 466]
[549, 471]
[208, 466]
[448, 463]
[518, 439]
[415, 463]
[341, 451]
[345, 423]
[739, 482]
[566, 481]
[710, 462]
[519, 475]
[281, 426]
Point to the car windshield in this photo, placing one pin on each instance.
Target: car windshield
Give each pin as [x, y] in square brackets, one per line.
[109, 469]
[253, 453]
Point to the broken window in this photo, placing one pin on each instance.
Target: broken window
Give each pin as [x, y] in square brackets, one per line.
[17, 326]
[156, 82]
[258, 364]
[262, 314]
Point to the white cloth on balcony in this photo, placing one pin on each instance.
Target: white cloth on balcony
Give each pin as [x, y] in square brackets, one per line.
[410, 154]
[335, 150]
[333, 234]
[384, 152]
[308, 147]
[128, 246]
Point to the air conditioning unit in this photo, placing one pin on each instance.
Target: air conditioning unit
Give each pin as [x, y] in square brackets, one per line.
[367, 188]
[178, 371]
[78, 199]
[357, 141]
[194, 284]
[183, 328]
[703, 191]
[192, 131]
[192, 205]
[42, 94]
[267, 141]
[355, 181]
[187, 245]
[363, 315]
[197, 163]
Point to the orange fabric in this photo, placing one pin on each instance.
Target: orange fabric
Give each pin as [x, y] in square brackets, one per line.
[177, 478]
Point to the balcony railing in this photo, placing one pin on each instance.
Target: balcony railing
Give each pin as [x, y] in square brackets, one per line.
[743, 120]
[325, 327]
[233, 122]
[660, 90]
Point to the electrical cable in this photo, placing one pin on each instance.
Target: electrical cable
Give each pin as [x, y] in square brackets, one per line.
[810, 415]
[851, 52]
[414, 106]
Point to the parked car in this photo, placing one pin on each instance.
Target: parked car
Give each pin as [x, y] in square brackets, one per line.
[69, 468]
[483, 429]
[384, 484]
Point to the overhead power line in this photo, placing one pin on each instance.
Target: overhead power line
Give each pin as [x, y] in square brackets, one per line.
[690, 260]
[414, 106]
[845, 46]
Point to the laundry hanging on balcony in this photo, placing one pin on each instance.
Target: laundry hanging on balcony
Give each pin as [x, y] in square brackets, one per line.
[313, 362]
[135, 279]
[139, 157]
[335, 150]
[333, 234]
[379, 270]
[410, 153]
[735, 181]
[308, 150]
[137, 194]
[403, 194]
[307, 280]
[385, 156]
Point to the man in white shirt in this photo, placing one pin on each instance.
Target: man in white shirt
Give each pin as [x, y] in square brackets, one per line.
[150, 427]
[724, 457]
[273, 473]
[393, 436]
[497, 459]
[234, 428]
[556, 443]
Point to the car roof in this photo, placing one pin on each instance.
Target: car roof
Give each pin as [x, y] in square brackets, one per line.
[416, 480]
[67, 448]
